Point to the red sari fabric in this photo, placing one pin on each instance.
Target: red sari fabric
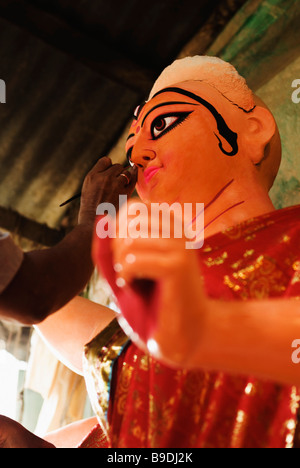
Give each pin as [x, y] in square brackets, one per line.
[151, 405]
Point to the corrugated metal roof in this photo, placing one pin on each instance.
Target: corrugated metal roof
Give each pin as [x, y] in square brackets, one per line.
[150, 32]
[59, 117]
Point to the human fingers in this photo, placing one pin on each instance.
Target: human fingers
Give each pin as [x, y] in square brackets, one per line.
[130, 176]
[124, 177]
[102, 164]
[14, 435]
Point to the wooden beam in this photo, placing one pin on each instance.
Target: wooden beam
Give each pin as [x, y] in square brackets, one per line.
[39, 233]
[94, 54]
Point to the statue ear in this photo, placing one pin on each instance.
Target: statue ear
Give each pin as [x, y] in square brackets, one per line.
[261, 128]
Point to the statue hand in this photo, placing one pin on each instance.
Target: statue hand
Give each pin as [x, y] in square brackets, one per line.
[182, 302]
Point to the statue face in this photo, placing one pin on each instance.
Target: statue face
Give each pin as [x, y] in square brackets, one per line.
[186, 144]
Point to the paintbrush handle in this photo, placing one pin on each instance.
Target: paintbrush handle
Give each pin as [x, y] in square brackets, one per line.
[129, 168]
[71, 199]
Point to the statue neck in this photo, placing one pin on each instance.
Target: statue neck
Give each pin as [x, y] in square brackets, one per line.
[234, 204]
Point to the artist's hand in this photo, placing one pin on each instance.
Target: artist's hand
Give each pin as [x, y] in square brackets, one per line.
[13, 435]
[103, 184]
[182, 303]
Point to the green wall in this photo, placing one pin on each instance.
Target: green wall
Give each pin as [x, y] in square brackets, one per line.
[263, 42]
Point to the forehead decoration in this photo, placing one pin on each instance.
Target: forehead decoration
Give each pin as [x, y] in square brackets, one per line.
[212, 70]
[138, 111]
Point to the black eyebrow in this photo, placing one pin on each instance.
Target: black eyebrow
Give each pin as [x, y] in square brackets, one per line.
[224, 130]
[171, 103]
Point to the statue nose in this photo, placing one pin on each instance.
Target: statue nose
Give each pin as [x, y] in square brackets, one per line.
[141, 157]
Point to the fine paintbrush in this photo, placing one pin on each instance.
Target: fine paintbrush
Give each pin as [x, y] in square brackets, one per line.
[71, 199]
[78, 195]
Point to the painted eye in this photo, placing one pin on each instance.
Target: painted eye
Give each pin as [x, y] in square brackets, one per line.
[164, 123]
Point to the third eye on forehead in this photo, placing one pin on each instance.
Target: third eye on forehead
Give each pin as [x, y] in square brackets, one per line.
[138, 111]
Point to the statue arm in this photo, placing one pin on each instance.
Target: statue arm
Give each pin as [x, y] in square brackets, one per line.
[67, 331]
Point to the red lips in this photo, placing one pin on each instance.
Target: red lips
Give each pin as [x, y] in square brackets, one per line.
[150, 172]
